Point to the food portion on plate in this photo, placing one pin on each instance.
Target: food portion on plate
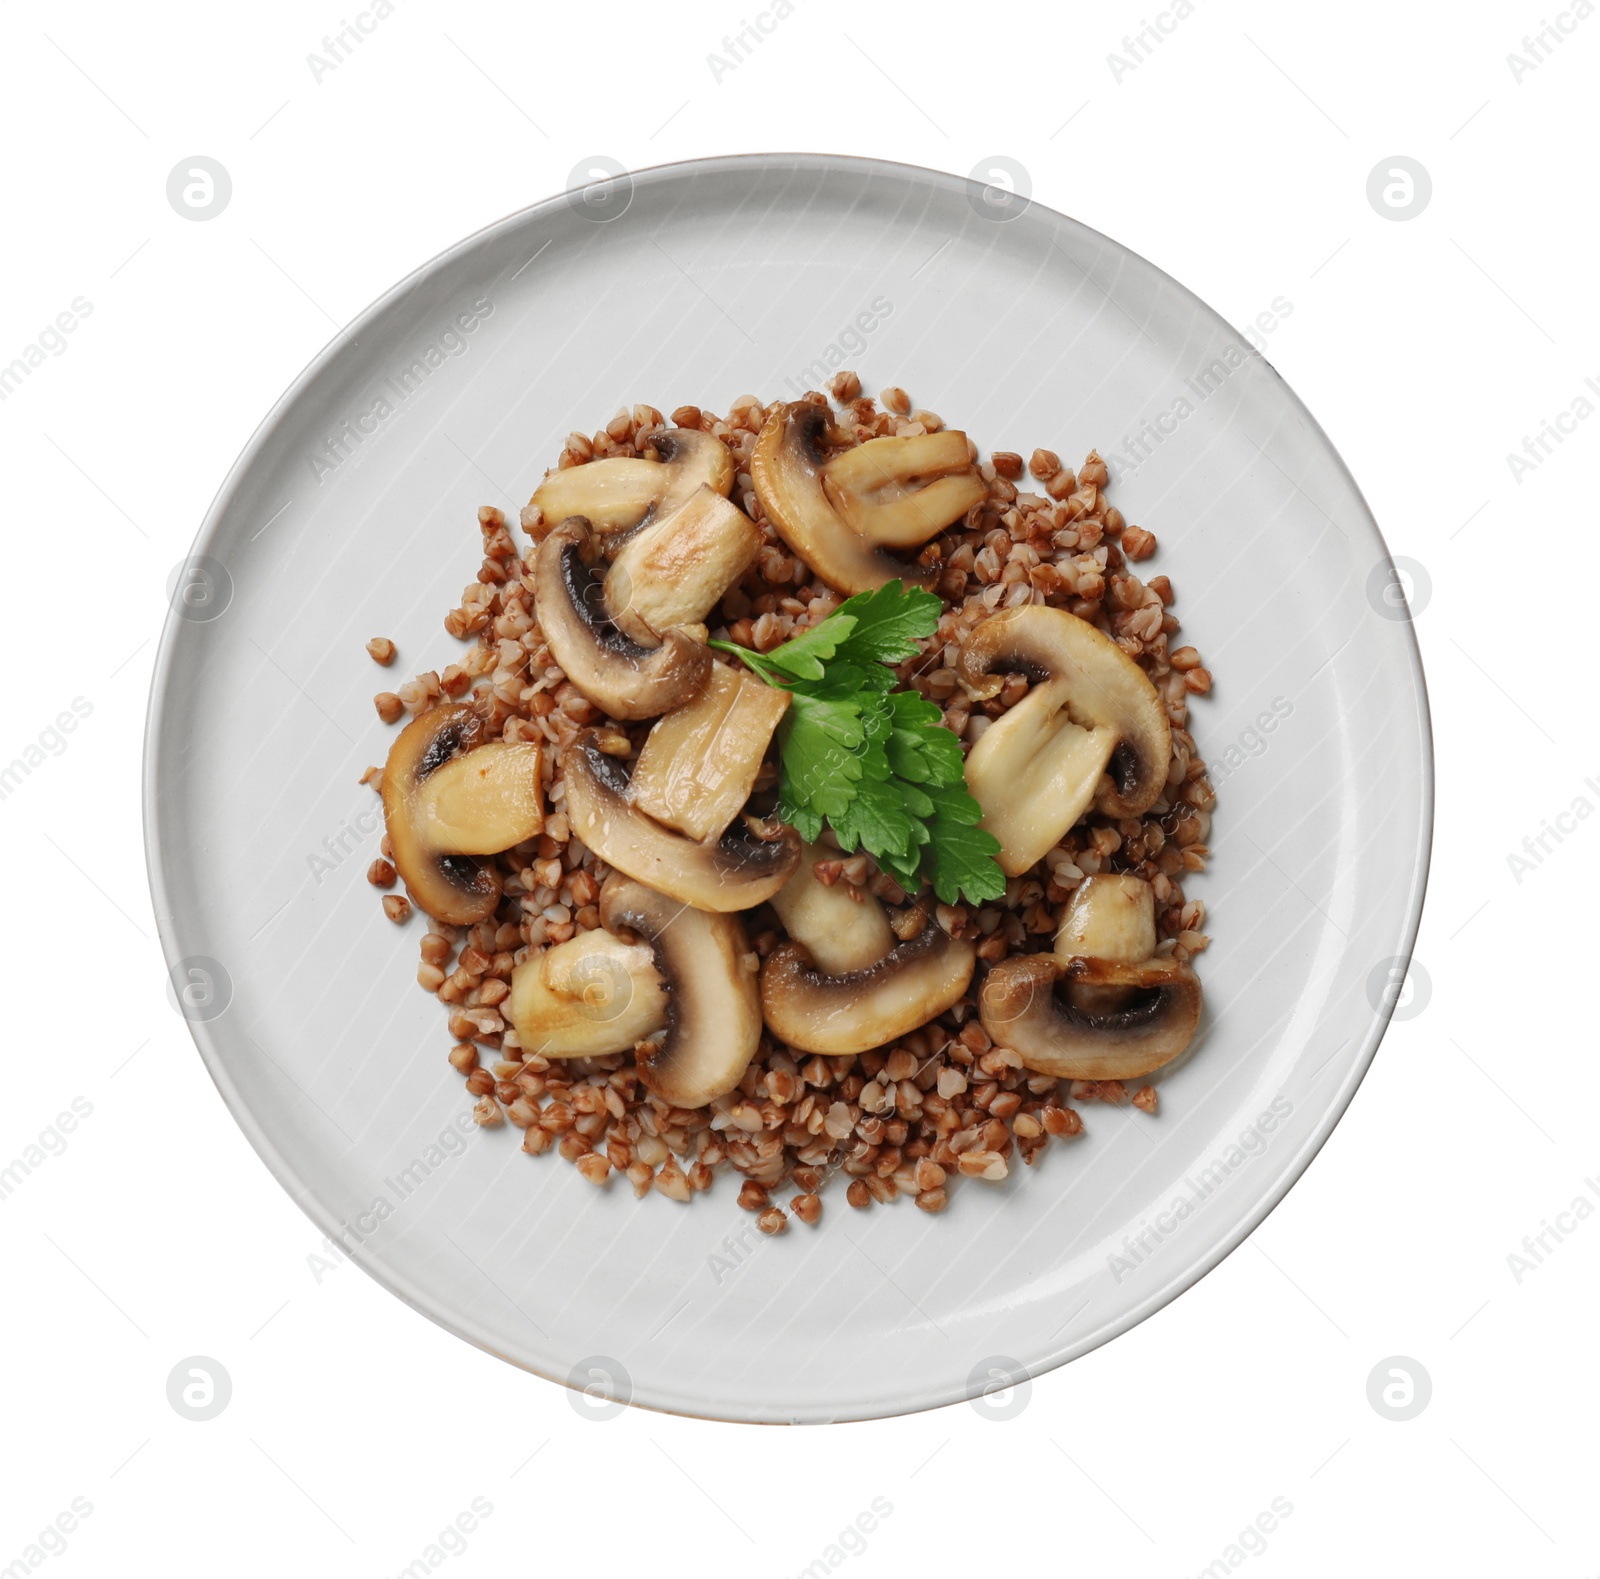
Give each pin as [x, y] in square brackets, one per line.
[812, 797]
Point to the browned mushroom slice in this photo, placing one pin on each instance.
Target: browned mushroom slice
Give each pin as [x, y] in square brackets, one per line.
[676, 570]
[787, 472]
[1021, 1009]
[609, 667]
[699, 762]
[625, 491]
[713, 1023]
[746, 866]
[446, 798]
[1090, 694]
[809, 1009]
[592, 995]
[899, 492]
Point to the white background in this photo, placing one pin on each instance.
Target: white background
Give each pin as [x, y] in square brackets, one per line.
[1236, 156]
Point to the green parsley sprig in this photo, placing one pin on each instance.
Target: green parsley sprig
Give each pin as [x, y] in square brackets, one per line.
[876, 763]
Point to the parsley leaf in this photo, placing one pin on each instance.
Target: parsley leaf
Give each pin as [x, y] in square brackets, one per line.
[876, 763]
[963, 854]
[877, 818]
[886, 624]
[803, 656]
[821, 760]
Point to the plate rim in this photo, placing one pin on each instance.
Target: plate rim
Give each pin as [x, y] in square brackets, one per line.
[388, 1277]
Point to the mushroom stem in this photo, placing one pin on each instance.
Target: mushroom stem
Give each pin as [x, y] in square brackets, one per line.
[1034, 772]
[676, 570]
[845, 931]
[483, 802]
[1111, 915]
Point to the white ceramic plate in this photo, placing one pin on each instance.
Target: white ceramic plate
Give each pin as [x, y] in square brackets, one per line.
[352, 514]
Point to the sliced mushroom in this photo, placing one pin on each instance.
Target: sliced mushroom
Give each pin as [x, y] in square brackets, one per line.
[747, 865]
[1099, 1008]
[899, 492]
[819, 1012]
[713, 1018]
[844, 931]
[625, 491]
[609, 667]
[1086, 683]
[1021, 1009]
[787, 470]
[699, 762]
[448, 797]
[592, 995]
[676, 570]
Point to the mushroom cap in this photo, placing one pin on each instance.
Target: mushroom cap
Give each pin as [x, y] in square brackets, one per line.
[1020, 1009]
[1107, 689]
[587, 997]
[786, 469]
[609, 667]
[448, 885]
[713, 1018]
[627, 491]
[819, 1013]
[734, 872]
